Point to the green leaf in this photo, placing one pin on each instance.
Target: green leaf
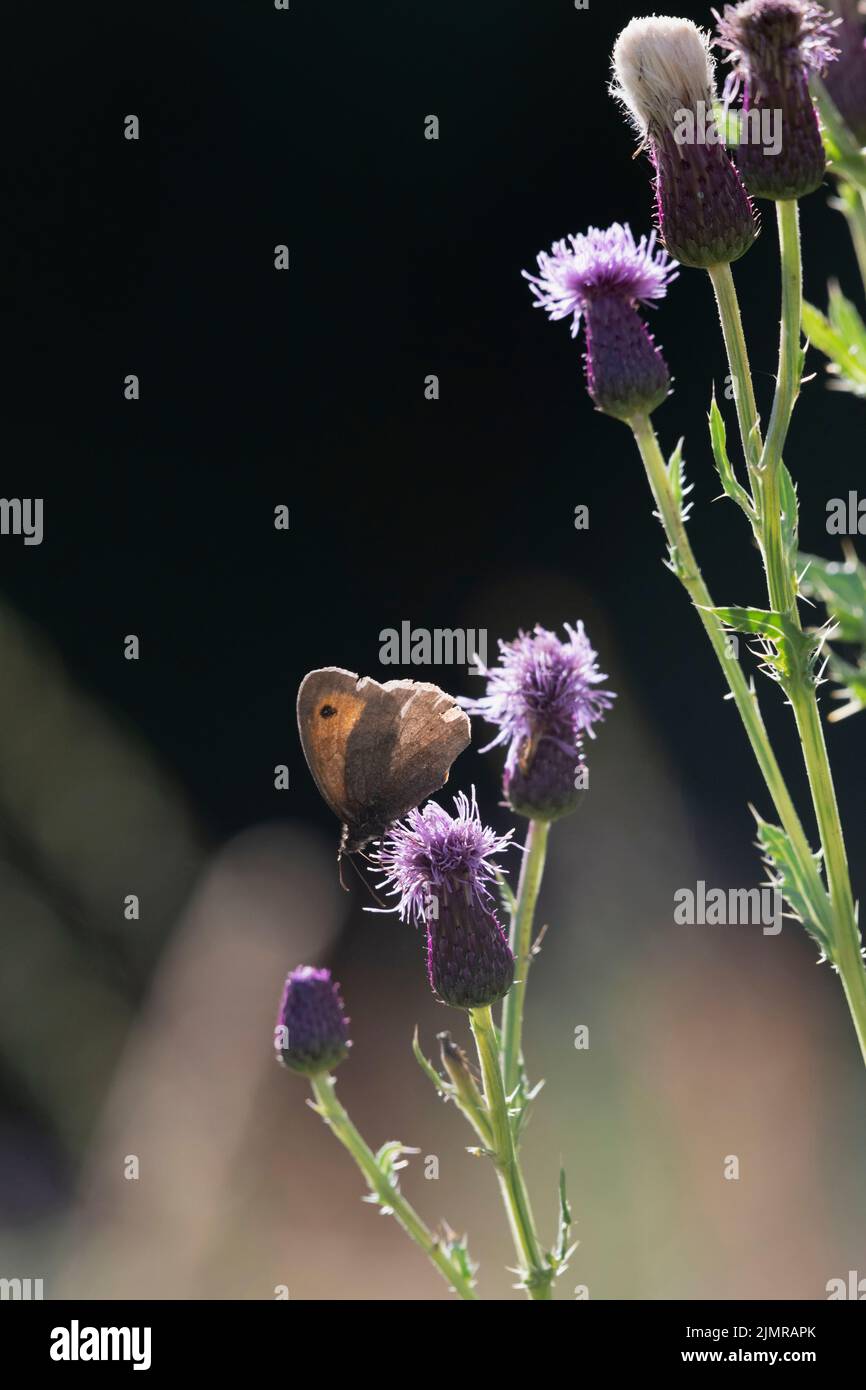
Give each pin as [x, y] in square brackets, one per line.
[788, 651]
[506, 893]
[790, 514]
[677, 478]
[429, 1070]
[520, 1105]
[841, 586]
[843, 341]
[754, 622]
[458, 1251]
[842, 146]
[788, 877]
[845, 319]
[566, 1220]
[390, 1157]
[853, 678]
[724, 467]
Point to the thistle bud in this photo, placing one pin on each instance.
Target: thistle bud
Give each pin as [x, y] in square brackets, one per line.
[664, 76]
[469, 961]
[440, 867]
[846, 78]
[773, 46]
[312, 1034]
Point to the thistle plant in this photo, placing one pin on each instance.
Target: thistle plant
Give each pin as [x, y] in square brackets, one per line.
[443, 872]
[545, 697]
[664, 74]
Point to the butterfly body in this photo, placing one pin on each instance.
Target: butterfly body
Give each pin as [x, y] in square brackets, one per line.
[376, 750]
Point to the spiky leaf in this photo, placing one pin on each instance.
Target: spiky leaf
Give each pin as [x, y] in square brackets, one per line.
[724, 467]
[841, 586]
[842, 339]
[809, 905]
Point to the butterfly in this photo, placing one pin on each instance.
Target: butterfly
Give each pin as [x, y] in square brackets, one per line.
[376, 751]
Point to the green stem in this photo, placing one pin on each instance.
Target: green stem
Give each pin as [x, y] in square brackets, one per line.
[744, 697]
[738, 361]
[336, 1117]
[531, 871]
[846, 938]
[537, 1274]
[781, 584]
[780, 580]
[801, 688]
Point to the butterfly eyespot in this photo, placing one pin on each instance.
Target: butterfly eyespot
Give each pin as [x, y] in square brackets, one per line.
[327, 711]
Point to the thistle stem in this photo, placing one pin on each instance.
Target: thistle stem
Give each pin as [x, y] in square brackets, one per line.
[337, 1119]
[780, 580]
[520, 940]
[743, 695]
[801, 688]
[781, 584]
[846, 936]
[738, 361]
[537, 1274]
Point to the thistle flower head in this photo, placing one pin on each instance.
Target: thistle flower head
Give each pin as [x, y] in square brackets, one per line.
[601, 263]
[440, 868]
[601, 276]
[773, 46]
[768, 40]
[662, 66]
[312, 1032]
[543, 697]
[664, 76]
[431, 852]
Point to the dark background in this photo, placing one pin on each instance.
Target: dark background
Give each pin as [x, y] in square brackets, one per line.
[307, 388]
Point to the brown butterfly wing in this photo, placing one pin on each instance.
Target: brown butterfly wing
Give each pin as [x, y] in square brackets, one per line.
[376, 751]
[431, 731]
[325, 735]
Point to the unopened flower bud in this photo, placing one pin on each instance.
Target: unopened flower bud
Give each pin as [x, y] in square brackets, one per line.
[846, 78]
[312, 1032]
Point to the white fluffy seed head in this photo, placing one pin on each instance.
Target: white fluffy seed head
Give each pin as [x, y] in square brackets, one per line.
[662, 65]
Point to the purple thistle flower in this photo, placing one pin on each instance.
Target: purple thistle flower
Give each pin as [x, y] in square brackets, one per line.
[440, 867]
[312, 1032]
[544, 698]
[664, 76]
[602, 276]
[846, 78]
[773, 46]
